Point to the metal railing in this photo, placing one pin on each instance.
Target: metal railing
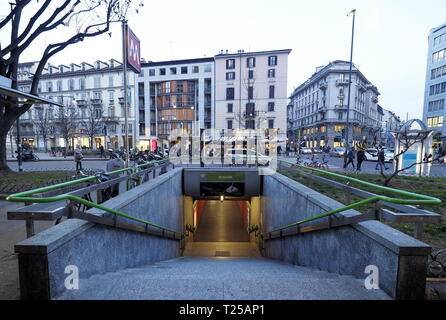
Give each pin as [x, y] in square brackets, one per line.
[423, 199]
[25, 196]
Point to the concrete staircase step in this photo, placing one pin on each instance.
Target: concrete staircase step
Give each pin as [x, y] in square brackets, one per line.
[221, 278]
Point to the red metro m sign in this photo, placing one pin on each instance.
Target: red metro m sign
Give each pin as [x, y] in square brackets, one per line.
[133, 51]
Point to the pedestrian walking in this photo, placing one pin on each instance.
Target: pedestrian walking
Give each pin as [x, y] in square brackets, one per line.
[78, 158]
[350, 158]
[360, 157]
[381, 159]
[101, 149]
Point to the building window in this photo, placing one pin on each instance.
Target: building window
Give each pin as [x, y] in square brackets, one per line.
[340, 115]
[270, 106]
[439, 55]
[59, 85]
[49, 86]
[229, 93]
[437, 88]
[183, 70]
[251, 62]
[438, 72]
[436, 105]
[230, 63]
[151, 72]
[208, 68]
[250, 109]
[110, 81]
[98, 113]
[196, 69]
[162, 72]
[440, 39]
[271, 73]
[271, 123]
[230, 75]
[97, 82]
[271, 92]
[250, 92]
[272, 60]
[81, 84]
[230, 107]
[250, 74]
[340, 102]
[435, 122]
[229, 124]
[173, 70]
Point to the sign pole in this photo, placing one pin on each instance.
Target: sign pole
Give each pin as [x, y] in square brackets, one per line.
[124, 66]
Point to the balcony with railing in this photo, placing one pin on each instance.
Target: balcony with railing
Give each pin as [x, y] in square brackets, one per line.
[96, 102]
[342, 82]
[81, 102]
[341, 107]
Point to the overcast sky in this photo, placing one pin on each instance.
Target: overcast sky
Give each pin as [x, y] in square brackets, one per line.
[390, 38]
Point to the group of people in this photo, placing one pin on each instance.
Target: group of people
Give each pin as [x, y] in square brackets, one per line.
[361, 157]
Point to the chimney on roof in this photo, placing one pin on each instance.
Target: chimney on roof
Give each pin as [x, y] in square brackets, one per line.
[226, 51]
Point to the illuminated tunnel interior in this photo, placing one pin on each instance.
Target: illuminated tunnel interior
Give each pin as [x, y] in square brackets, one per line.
[221, 221]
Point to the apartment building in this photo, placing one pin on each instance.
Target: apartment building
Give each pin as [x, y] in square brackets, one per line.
[94, 91]
[435, 87]
[172, 95]
[251, 90]
[317, 111]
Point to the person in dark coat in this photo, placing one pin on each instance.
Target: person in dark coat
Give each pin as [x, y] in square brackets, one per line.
[350, 158]
[381, 159]
[360, 157]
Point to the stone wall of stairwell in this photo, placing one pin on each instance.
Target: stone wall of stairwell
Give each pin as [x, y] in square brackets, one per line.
[347, 250]
[97, 249]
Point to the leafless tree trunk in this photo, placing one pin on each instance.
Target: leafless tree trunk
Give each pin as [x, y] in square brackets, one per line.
[42, 126]
[93, 123]
[89, 18]
[67, 122]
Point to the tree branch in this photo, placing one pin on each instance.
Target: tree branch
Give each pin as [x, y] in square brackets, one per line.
[33, 20]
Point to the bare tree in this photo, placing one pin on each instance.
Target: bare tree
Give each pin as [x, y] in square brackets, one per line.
[42, 126]
[406, 141]
[89, 18]
[67, 122]
[93, 122]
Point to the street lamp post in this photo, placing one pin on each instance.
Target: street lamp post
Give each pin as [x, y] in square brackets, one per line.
[353, 13]
[124, 66]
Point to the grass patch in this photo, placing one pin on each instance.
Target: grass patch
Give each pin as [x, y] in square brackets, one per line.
[13, 182]
[435, 235]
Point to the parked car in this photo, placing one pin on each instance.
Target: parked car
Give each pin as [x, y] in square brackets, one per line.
[371, 154]
[305, 151]
[337, 152]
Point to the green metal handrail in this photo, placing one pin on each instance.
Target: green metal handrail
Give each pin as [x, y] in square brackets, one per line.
[24, 196]
[423, 198]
